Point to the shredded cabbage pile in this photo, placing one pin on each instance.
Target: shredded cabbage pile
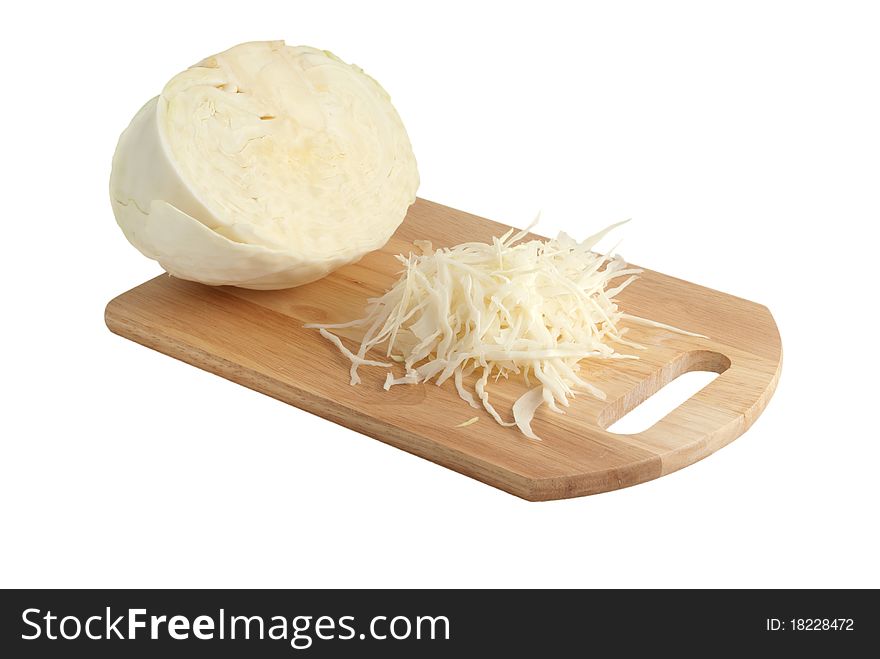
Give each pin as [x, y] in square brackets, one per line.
[534, 309]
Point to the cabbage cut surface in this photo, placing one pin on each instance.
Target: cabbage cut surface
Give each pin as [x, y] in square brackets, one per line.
[265, 166]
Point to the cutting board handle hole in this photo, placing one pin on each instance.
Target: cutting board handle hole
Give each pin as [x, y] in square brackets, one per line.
[664, 391]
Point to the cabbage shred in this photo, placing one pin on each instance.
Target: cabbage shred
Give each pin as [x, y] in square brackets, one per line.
[529, 308]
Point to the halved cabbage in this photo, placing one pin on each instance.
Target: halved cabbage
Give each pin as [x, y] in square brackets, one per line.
[266, 166]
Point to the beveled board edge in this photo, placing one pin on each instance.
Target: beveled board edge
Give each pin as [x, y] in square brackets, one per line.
[119, 323]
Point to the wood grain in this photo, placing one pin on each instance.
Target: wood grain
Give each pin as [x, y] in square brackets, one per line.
[256, 338]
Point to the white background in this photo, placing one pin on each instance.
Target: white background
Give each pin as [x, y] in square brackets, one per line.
[744, 141]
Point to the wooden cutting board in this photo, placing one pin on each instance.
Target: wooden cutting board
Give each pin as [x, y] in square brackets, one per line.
[256, 338]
